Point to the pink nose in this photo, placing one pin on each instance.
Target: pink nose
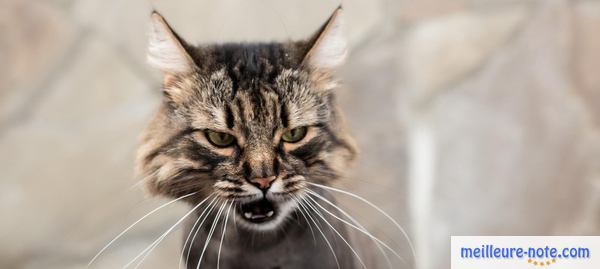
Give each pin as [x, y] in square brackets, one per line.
[263, 182]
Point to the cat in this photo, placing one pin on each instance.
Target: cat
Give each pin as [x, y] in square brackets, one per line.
[245, 134]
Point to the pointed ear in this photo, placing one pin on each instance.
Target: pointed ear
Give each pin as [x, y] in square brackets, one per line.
[166, 51]
[328, 46]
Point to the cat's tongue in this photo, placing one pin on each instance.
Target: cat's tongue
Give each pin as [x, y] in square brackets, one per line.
[259, 211]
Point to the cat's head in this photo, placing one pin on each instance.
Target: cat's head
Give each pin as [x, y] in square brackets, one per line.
[250, 122]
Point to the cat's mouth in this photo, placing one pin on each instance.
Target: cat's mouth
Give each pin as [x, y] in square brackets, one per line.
[259, 211]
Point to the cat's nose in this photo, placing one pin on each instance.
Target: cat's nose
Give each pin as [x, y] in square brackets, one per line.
[263, 183]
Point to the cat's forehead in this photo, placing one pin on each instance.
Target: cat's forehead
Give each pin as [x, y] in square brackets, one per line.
[249, 63]
[256, 88]
[258, 108]
[290, 90]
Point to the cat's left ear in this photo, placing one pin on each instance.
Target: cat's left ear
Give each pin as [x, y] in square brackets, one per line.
[328, 47]
[166, 51]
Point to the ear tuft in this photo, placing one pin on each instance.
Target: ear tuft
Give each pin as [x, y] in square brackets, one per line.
[166, 51]
[329, 47]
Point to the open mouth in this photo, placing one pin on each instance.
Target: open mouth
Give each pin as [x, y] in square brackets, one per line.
[258, 211]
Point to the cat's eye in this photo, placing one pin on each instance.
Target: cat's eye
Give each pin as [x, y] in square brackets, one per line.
[220, 139]
[294, 135]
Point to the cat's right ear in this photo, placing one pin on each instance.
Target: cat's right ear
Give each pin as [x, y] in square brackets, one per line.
[328, 47]
[166, 51]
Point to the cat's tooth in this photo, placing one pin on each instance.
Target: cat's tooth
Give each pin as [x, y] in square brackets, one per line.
[270, 214]
[248, 215]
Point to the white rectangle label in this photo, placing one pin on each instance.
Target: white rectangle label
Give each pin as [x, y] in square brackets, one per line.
[525, 252]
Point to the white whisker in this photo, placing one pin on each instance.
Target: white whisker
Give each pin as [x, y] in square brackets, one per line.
[302, 206]
[189, 249]
[308, 222]
[210, 233]
[185, 244]
[223, 234]
[156, 244]
[354, 221]
[131, 226]
[137, 184]
[358, 229]
[157, 241]
[364, 231]
[235, 220]
[336, 231]
[412, 249]
[163, 237]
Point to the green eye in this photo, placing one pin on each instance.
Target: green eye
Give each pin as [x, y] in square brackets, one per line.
[220, 139]
[294, 135]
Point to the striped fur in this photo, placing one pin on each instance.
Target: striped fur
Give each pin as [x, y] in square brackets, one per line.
[254, 92]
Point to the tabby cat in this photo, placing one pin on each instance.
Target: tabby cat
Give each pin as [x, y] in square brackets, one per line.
[244, 134]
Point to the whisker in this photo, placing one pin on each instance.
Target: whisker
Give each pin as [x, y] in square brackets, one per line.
[185, 244]
[141, 181]
[223, 234]
[302, 206]
[412, 249]
[210, 233]
[157, 241]
[308, 222]
[354, 221]
[189, 249]
[155, 245]
[336, 231]
[235, 220]
[358, 229]
[135, 223]
[162, 238]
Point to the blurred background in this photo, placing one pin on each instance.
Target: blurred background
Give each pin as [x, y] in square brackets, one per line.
[474, 117]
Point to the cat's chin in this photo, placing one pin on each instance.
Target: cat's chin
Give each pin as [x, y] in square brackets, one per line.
[264, 214]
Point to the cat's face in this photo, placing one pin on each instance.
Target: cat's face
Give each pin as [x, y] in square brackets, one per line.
[249, 123]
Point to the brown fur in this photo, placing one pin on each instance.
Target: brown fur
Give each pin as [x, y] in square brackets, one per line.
[253, 82]
[254, 92]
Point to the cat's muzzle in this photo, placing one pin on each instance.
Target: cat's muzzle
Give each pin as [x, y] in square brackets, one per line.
[259, 211]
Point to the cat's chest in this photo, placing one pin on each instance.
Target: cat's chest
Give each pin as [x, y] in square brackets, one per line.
[283, 256]
[296, 250]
